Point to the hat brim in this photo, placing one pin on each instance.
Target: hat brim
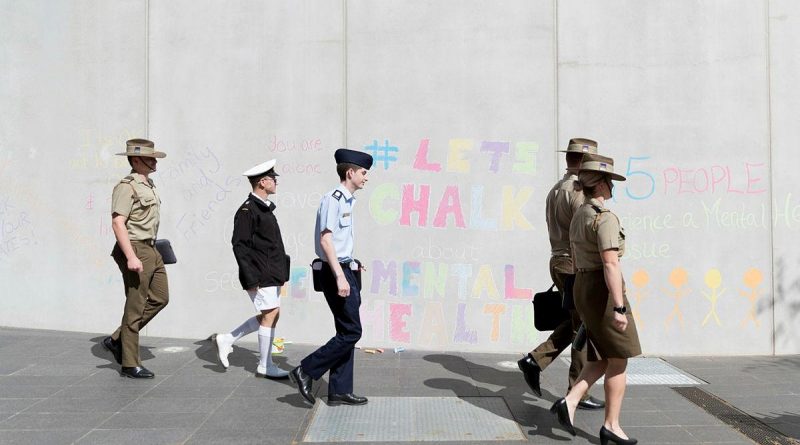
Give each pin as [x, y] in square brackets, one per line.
[155, 154]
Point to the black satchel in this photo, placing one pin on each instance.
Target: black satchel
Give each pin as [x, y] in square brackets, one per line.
[548, 312]
[165, 249]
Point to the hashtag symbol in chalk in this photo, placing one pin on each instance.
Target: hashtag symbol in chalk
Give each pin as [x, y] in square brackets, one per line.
[383, 153]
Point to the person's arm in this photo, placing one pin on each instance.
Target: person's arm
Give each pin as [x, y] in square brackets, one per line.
[613, 276]
[326, 242]
[121, 233]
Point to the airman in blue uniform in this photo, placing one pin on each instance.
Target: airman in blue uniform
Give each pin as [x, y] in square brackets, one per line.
[334, 236]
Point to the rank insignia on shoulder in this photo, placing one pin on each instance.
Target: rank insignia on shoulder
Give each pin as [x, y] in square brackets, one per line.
[337, 194]
[127, 179]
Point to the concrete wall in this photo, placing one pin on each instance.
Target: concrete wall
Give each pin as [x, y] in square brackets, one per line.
[463, 104]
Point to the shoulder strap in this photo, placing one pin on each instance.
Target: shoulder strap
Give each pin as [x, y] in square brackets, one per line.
[598, 213]
[129, 180]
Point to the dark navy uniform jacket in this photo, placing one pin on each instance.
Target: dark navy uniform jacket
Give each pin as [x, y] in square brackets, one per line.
[258, 246]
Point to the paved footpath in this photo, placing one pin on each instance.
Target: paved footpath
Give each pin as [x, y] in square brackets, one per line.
[63, 387]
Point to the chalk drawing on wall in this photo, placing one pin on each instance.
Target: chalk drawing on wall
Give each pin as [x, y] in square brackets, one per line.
[640, 280]
[752, 278]
[678, 279]
[713, 280]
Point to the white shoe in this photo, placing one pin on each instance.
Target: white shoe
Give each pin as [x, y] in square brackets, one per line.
[224, 344]
[271, 372]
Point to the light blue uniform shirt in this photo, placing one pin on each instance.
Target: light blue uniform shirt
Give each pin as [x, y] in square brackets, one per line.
[336, 214]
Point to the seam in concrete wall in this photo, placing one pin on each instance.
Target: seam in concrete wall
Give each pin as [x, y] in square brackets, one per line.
[555, 89]
[344, 74]
[147, 69]
[771, 190]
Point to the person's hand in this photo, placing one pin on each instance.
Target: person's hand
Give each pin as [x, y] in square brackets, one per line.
[620, 322]
[135, 265]
[343, 286]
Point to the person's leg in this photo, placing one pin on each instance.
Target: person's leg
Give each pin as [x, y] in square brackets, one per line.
[266, 337]
[615, 391]
[588, 376]
[158, 292]
[349, 324]
[136, 298]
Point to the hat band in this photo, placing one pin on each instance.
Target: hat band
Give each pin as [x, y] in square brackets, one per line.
[582, 148]
[602, 167]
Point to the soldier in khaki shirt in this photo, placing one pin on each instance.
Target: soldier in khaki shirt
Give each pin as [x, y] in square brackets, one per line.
[562, 202]
[598, 241]
[135, 207]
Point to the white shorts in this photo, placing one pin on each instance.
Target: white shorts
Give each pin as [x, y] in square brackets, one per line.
[266, 298]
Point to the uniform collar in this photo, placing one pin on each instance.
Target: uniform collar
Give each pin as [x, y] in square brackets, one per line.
[263, 202]
[346, 193]
[138, 177]
[597, 203]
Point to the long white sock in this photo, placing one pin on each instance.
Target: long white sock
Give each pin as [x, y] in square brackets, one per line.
[251, 325]
[265, 337]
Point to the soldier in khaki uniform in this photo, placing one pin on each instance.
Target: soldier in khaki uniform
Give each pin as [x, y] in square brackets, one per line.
[135, 208]
[562, 202]
[598, 241]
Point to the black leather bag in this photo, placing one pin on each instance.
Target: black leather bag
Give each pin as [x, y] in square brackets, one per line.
[164, 247]
[548, 312]
[320, 270]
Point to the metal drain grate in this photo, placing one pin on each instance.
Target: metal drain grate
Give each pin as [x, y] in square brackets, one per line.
[409, 419]
[653, 371]
[746, 424]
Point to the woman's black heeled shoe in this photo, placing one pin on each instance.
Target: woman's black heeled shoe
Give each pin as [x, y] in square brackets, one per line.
[606, 435]
[562, 411]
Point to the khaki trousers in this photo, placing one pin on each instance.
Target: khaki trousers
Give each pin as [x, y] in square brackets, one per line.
[562, 335]
[146, 293]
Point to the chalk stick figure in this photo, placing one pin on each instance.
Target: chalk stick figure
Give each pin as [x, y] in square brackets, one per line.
[678, 279]
[640, 280]
[713, 280]
[752, 278]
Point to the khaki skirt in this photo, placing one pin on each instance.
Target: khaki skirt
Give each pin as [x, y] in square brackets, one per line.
[595, 306]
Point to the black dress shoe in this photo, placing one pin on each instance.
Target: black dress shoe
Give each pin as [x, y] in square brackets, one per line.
[136, 372]
[346, 399]
[115, 347]
[562, 411]
[303, 382]
[531, 372]
[591, 403]
[606, 435]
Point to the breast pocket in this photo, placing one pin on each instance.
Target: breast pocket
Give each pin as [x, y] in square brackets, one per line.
[143, 208]
[345, 221]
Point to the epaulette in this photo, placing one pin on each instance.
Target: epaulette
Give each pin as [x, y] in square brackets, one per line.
[127, 180]
[244, 206]
[337, 194]
[598, 213]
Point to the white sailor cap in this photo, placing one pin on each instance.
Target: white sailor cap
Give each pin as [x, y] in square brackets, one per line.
[267, 168]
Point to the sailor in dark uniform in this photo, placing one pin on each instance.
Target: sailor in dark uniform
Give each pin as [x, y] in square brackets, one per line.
[263, 268]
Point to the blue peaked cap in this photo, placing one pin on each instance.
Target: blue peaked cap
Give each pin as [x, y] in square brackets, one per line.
[359, 158]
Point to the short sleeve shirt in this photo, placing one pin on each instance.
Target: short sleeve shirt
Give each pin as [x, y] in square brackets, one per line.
[564, 199]
[335, 213]
[592, 233]
[135, 197]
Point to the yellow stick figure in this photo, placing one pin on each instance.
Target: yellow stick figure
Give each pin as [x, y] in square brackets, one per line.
[752, 278]
[713, 280]
[677, 278]
[640, 280]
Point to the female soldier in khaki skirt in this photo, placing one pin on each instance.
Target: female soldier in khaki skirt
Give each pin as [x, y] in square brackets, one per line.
[598, 241]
